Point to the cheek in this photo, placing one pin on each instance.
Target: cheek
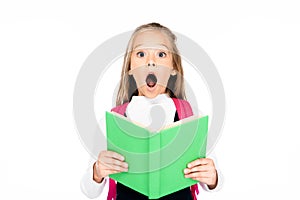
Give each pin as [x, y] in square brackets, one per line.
[136, 63]
[166, 63]
[132, 62]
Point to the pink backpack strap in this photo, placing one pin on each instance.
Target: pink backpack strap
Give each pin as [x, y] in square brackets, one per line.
[112, 192]
[183, 108]
[194, 191]
[120, 109]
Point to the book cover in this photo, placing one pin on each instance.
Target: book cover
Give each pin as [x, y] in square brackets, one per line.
[156, 160]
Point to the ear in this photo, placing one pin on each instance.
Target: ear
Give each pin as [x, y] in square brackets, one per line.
[173, 72]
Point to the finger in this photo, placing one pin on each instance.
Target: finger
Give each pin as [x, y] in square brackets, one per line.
[196, 175]
[199, 168]
[112, 161]
[113, 158]
[114, 155]
[113, 172]
[199, 161]
[195, 169]
[108, 172]
[111, 166]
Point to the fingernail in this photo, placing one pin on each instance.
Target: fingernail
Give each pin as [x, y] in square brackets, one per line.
[189, 165]
[185, 171]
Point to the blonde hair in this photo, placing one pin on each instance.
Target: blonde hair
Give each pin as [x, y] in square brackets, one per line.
[128, 88]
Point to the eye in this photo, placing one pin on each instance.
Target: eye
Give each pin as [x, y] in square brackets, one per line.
[140, 54]
[162, 54]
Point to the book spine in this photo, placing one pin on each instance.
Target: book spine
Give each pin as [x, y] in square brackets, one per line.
[154, 167]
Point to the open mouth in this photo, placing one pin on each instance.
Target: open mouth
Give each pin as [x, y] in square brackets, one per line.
[151, 80]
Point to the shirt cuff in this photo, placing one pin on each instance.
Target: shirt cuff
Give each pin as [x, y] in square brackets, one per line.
[89, 187]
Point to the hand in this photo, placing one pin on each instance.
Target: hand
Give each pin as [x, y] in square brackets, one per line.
[108, 162]
[203, 170]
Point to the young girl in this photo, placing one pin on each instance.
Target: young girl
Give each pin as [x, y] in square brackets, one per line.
[152, 72]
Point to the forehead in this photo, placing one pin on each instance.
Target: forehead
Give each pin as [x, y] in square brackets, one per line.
[151, 39]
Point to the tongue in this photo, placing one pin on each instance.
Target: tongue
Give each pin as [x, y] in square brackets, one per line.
[150, 83]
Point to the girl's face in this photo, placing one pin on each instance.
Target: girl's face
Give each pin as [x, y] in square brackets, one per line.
[151, 49]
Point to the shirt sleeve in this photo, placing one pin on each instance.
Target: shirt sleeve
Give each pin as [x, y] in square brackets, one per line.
[89, 187]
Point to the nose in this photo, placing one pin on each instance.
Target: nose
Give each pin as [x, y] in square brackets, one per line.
[151, 60]
[151, 63]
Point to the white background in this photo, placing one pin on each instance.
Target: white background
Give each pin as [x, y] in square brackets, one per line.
[254, 44]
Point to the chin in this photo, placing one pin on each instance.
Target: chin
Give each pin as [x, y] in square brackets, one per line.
[152, 94]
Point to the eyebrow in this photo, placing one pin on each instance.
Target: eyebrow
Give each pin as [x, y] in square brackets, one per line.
[147, 45]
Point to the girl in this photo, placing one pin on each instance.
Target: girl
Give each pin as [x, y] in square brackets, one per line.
[152, 72]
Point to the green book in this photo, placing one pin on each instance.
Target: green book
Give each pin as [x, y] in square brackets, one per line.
[156, 160]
